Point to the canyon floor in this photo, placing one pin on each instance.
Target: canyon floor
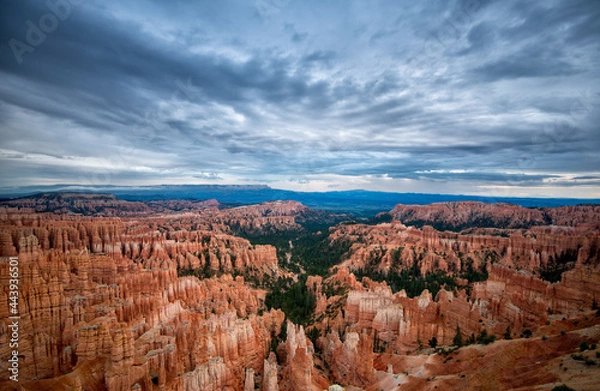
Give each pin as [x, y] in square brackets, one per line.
[197, 295]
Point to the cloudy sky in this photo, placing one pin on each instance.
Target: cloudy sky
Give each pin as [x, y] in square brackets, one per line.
[468, 96]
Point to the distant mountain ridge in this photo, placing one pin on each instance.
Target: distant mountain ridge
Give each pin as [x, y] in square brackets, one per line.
[360, 202]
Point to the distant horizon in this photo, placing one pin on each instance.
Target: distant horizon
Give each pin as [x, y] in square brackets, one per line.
[25, 191]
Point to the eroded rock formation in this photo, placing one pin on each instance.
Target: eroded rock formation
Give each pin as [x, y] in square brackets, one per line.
[108, 296]
[115, 303]
[393, 247]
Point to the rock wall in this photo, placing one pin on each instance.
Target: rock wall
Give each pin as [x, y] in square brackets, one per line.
[468, 214]
[393, 247]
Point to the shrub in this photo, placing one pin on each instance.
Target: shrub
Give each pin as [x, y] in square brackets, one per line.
[433, 342]
[556, 266]
[526, 333]
[471, 339]
[313, 334]
[562, 388]
[484, 338]
[583, 346]
[457, 340]
[578, 357]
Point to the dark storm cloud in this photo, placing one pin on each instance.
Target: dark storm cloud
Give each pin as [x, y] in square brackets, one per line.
[470, 92]
[113, 62]
[530, 61]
